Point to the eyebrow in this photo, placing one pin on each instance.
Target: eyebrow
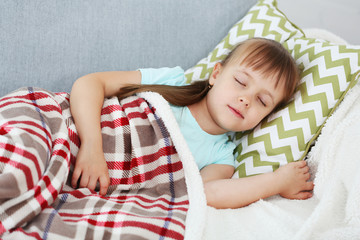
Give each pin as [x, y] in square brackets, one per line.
[266, 91]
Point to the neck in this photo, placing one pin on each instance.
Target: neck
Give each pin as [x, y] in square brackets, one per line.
[202, 116]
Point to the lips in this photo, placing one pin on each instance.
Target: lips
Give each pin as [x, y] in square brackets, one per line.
[236, 112]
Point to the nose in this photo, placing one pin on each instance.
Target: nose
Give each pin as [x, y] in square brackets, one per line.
[244, 101]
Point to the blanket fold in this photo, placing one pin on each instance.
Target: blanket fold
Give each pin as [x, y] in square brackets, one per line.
[156, 190]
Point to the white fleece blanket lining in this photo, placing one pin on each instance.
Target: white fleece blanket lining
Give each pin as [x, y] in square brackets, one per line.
[195, 218]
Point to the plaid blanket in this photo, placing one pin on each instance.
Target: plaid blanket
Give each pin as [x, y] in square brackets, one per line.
[155, 193]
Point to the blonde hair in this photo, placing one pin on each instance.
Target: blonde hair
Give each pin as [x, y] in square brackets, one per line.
[268, 57]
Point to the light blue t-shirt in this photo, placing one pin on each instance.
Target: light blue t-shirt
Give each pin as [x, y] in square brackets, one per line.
[206, 148]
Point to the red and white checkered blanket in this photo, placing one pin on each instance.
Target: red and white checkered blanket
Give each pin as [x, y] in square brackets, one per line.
[155, 193]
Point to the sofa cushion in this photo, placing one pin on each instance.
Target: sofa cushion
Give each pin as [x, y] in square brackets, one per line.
[51, 43]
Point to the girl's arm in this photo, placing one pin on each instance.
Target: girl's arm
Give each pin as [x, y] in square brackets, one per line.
[86, 100]
[290, 181]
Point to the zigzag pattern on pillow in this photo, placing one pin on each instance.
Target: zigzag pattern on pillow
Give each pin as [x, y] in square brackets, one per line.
[329, 71]
[262, 20]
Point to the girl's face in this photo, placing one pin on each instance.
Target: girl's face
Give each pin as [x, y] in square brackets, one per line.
[240, 97]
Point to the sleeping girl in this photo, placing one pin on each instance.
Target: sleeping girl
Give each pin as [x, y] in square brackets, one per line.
[256, 78]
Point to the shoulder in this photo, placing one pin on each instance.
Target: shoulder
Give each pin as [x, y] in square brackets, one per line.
[224, 151]
[163, 76]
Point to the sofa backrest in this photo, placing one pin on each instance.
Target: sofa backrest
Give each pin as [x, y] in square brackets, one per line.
[51, 43]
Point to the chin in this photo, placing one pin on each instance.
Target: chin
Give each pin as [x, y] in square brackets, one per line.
[232, 128]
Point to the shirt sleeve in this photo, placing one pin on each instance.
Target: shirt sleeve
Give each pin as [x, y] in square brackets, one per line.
[225, 155]
[163, 76]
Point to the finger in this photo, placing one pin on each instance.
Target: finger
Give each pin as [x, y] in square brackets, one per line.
[302, 163]
[92, 183]
[307, 176]
[104, 184]
[84, 180]
[303, 195]
[75, 178]
[309, 186]
[305, 169]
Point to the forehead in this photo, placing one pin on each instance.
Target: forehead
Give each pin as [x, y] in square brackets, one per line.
[260, 65]
[260, 57]
[261, 77]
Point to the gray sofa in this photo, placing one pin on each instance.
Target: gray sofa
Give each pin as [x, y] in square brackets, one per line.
[49, 44]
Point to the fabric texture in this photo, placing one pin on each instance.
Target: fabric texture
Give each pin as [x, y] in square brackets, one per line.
[333, 212]
[149, 194]
[44, 43]
[206, 148]
[328, 71]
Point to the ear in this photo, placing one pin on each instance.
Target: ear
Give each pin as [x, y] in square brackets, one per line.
[215, 73]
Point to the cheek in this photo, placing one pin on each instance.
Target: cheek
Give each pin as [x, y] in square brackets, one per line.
[258, 116]
[211, 100]
[254, 123]
[216, 95]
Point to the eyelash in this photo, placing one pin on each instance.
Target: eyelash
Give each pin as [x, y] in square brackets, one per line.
[262, 102]
[243, 84]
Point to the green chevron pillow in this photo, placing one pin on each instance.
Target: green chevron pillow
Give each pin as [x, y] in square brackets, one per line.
[328, 72]
[263, 20]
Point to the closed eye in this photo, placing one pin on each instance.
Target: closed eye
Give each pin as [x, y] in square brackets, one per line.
[240, 82]
[262, 102]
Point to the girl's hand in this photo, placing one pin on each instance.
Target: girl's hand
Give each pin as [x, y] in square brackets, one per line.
[293, 179]
[90, 168]
[86, 100]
